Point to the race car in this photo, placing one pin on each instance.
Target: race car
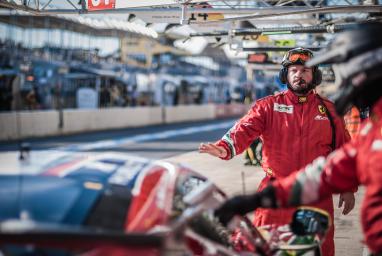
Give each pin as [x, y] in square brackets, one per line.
[65, 203]
[112, 192]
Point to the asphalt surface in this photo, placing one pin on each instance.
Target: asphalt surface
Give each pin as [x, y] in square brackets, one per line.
[156, 142]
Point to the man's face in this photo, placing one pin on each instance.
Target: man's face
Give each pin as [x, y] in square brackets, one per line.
[300, 78]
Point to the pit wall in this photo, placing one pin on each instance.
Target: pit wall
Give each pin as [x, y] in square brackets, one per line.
[25, 124]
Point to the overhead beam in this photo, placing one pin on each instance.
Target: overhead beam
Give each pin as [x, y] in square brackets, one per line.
[254, 12]
[175, 10]
[275, 49]
[9, 5]
[316, 29]
[315, 10]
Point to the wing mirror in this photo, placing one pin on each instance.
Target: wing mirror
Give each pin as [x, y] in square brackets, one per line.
[310, 221]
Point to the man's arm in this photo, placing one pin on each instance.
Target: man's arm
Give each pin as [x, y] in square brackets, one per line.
[322, 178]
[240, 136]
[315, 182]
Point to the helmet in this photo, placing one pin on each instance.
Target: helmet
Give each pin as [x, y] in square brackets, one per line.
[357, 58]
[299, 56]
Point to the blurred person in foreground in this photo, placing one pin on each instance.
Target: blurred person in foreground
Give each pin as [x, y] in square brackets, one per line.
[353, 119]
[295, 126]
[357, 58]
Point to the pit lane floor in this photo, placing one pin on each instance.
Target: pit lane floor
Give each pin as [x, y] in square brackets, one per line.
[154, 142]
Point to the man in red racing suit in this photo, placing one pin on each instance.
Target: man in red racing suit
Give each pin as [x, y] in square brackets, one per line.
[294, 130]
[356, 56]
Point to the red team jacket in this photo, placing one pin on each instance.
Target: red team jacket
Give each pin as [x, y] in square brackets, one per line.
[294, 131]
[358, 162]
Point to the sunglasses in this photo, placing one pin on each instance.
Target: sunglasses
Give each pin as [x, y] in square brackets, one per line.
[294, 57]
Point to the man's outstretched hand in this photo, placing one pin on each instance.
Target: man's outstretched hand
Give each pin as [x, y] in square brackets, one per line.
[213, 150]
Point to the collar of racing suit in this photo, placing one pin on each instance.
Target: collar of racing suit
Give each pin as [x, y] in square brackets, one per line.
[300, 99]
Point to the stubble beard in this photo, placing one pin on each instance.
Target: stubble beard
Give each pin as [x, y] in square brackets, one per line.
[301, 87]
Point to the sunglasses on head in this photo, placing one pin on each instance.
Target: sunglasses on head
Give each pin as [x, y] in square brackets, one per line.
[293, 57]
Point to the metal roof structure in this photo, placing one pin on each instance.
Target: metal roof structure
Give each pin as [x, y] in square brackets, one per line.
[217, 21]
[80, 24]
[314, 12]
[196, 11]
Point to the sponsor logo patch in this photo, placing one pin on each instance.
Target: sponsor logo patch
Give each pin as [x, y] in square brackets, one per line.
[283, 108]
[321, 118]
[322, 109]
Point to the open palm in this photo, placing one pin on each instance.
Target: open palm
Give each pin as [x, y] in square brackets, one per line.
[212, 149]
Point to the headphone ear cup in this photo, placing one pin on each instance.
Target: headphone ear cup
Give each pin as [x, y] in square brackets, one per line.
[283, 75]
[317, 77]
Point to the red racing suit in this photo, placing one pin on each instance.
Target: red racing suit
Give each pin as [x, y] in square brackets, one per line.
[358, 162]
[294, 131]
